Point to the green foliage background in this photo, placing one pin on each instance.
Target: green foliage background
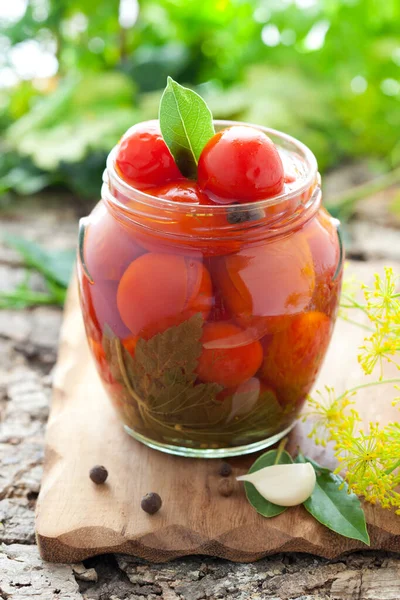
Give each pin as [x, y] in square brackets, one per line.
[326, 71]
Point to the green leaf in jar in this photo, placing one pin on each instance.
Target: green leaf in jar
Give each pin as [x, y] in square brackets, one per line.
[186, 125]
[263, 506]
[163, 373]
[332, 505]
[162, 382]
[252, 419]
[161, 379]
[110, 345]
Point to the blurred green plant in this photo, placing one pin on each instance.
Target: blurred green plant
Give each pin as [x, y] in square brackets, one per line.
[324, 71]
[54, 265]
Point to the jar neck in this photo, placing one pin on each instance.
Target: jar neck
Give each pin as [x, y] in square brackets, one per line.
[233, 222]
[262, 219]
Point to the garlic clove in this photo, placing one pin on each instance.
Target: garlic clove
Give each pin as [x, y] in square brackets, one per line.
[285, 485]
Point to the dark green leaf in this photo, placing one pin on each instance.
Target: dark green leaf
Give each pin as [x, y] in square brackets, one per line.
[186, 125]
[263, 506]
[317, 467]
[332, 505]
[56, 265]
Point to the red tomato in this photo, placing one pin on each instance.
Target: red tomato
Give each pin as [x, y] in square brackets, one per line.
[293, 357]
[108, 246]
[241, 163]
[102, 308]
[158, 291]
[193, 221]
[322, 237]
[264, 286]
[225, 364]
[143, 159]
[182, 191]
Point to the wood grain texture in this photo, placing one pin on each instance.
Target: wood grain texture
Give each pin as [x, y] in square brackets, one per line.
[76, 519]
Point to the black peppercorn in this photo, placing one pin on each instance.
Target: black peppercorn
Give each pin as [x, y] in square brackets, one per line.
[225, 487]
[225, 469]
[98, 474]
[151, 503]
[236, 215]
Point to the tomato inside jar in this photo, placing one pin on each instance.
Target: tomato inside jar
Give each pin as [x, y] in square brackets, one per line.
[209, 303]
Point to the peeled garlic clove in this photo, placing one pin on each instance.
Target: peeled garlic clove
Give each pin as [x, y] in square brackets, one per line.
[285, 485]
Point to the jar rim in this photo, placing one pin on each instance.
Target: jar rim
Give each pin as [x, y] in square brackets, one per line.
[111, 176]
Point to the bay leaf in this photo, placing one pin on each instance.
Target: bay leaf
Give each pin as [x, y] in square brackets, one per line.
[334, 506]
[186, 125]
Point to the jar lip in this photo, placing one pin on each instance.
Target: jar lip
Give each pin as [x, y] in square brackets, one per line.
[111, 175]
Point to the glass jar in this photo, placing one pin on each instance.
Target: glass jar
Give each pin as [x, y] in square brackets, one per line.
[209, 325]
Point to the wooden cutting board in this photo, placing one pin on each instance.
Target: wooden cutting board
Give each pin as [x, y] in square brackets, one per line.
[77, 519]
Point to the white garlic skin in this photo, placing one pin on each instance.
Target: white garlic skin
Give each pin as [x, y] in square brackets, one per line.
[285, 485]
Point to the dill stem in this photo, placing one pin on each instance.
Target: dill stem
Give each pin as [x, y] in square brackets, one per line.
[395, 466]
[353, 322]
[369, 384]
[354, 303]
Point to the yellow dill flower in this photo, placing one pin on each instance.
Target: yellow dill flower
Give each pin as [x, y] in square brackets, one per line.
[369, 459]
[383, 302]
[370, 468]
[396, 401]
[326, 413]
[383, 310]
[377, 349]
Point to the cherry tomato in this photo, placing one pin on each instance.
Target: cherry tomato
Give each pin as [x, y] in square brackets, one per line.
[143, 159]
[225, 364]
[158, 291]
[193, 221]
[322, 237]
[264, 286]
[182, 191]
[293, 357]
[108, 246]
[241, 163]
[101, 308]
